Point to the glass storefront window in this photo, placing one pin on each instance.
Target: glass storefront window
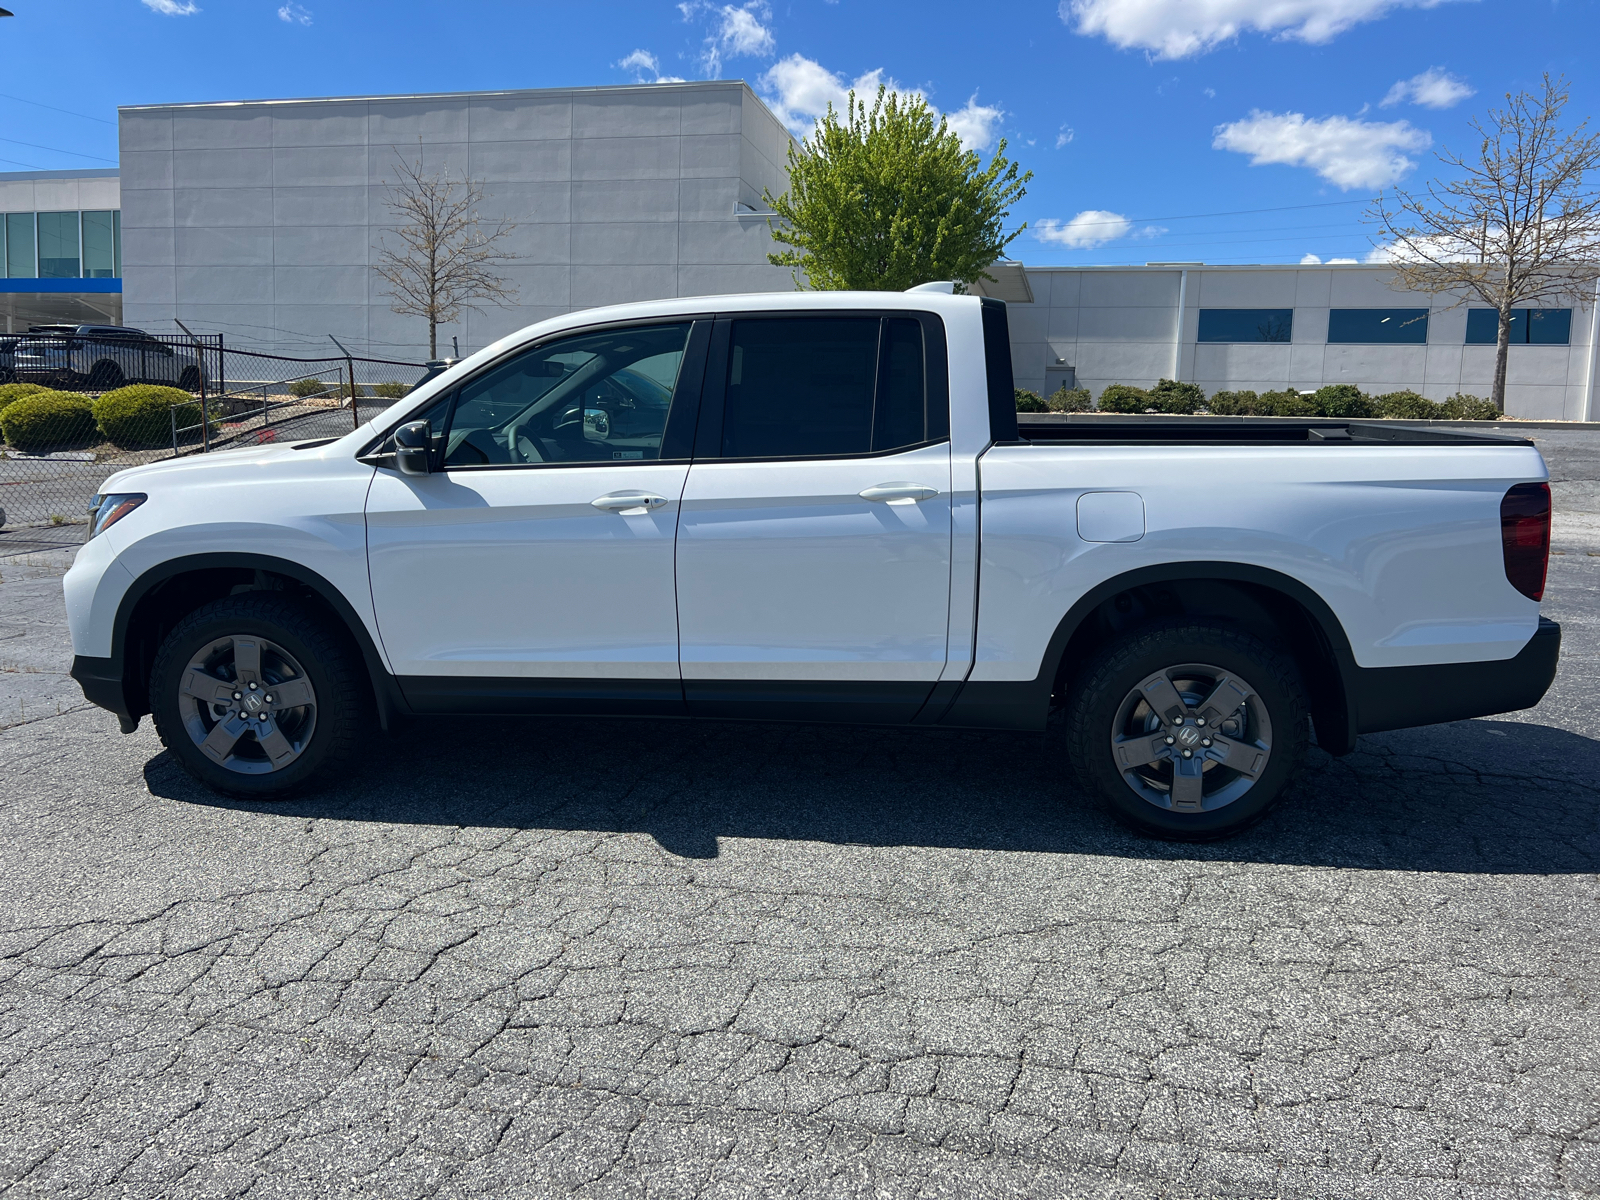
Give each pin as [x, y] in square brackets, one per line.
[19, 246]
[58, 246]
[99, 246]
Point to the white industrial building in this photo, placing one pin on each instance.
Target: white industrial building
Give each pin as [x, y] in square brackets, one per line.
[262, 221]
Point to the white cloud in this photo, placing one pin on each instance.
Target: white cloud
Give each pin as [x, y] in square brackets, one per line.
[172, 8]
[1345, 152]
[1090, 228]
[1065, 136]
[646, 68]
[1434, 88]
[1311, 260]
[977, 125]
[1181, 28]
[737, 31]
[801, 89]
[294, 14]
[1436, 248]
[1341, 262]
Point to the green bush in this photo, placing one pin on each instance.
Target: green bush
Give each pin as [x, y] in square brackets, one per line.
[47, 420]
[141, 415]
[16, 391]
[1233, 404]
[1170, 396]
[307, 387]
[1342, 400]
[392, 390]
[1065, 399]
[1287, 403]
[1408, 406]
[1462, 407]
[1124, 398]
[1030, 402]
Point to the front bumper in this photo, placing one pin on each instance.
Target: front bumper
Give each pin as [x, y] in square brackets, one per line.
[101, 681]
[1402, 697]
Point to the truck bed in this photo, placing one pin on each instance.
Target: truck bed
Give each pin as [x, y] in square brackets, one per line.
[1241, 431]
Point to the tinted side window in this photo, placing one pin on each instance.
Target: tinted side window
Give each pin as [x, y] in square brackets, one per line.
[1378, 326]
[1246, 324]
[814, 386]
[595, 397]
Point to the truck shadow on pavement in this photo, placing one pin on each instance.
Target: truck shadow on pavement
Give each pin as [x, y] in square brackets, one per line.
[1475, 796]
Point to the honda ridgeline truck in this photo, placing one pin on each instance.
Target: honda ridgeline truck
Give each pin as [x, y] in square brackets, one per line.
[819, 507]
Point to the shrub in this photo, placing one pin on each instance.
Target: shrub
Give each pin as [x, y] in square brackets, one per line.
[1342, 400]
[307, 387]
[1030, 401]
[1233, 404]
[1170, 396]
[16, 391]
[1462, 407]
[1124, 398]
[392, 390]
[1065, 399]
[141, 415]
[1407, 406]
[48, 420]
[1288, 402]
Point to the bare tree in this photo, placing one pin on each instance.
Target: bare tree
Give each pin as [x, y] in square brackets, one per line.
[447, 258]
[1514, 226]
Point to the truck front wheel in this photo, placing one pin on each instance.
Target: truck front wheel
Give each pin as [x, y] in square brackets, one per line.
[254, 694]
[1188, 730]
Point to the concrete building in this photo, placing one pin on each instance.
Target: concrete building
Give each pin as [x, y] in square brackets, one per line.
[263, 220]
[60, 248]
[1267, 327]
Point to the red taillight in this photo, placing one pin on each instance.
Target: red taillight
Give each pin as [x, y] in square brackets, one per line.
[1525, 537]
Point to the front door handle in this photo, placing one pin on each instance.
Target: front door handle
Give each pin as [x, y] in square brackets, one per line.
[899, 493]
[629, 504]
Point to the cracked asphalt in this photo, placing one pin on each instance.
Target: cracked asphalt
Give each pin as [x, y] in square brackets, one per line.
[646, 959]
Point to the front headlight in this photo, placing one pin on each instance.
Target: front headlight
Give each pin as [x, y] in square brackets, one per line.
[108, 510]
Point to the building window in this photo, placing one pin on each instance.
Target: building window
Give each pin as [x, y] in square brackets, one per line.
[58, 246]
[19, 246]
[99, 246]
[1246, 324]
[1529, 326]
[1378, 326]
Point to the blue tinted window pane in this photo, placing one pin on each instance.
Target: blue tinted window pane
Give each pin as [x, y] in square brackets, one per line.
[1246, 324]
[99, 246]
[1529, 326]
[1481, 326]
[19, 246]
[58, 245]
[1549, 326]
[1378, 326]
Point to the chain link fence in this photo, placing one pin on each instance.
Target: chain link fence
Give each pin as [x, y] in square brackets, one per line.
[63, 438]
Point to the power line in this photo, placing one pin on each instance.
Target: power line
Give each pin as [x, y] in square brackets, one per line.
[53, 108]
[17, 162]
[58, 150]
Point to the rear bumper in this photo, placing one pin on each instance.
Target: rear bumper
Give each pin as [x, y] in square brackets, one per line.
[1401, 697]
[101, 681]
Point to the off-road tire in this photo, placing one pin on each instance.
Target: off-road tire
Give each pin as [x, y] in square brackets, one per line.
[1100, 690]
[344, 710]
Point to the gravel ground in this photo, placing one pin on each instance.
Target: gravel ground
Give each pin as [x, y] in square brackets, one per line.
[539, 958]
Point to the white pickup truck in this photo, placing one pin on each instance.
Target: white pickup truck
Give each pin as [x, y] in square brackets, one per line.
[820, 507]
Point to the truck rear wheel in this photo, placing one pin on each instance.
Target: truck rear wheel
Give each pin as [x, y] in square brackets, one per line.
[255, 694]
[1188, 730]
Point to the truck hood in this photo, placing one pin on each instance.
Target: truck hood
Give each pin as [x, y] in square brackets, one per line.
[179, 471]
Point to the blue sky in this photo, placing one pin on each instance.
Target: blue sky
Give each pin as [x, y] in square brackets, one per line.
[1157, 130]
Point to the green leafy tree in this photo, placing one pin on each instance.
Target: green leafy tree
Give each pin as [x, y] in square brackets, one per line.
[884, 199]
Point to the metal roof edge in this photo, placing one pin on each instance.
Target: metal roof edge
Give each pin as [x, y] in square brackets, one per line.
[687, 85]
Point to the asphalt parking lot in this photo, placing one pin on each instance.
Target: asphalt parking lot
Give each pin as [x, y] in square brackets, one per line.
[556, 957]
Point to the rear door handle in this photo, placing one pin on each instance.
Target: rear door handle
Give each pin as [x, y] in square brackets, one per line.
[629, 504]
[899, 493]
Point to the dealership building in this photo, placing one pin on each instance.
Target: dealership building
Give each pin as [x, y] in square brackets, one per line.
[263, 221]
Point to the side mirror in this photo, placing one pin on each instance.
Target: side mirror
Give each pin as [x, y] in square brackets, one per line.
[412, 451]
